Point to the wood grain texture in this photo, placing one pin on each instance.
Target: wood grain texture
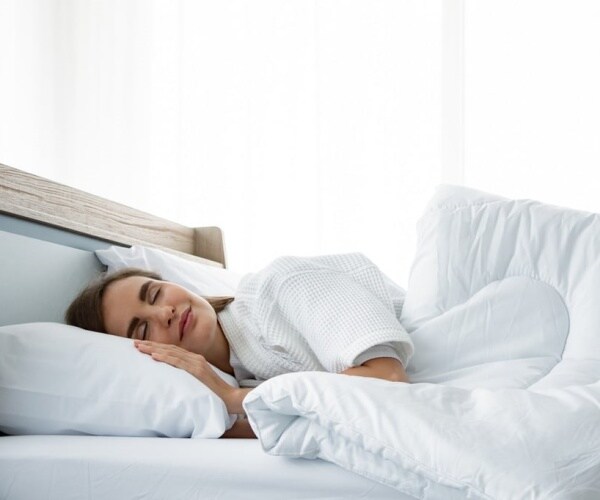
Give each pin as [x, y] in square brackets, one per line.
[34, 198]
[209, 242]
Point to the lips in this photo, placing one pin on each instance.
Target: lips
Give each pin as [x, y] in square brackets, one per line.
[184, 321]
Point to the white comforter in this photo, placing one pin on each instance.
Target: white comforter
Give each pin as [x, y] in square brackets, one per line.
[502, 306]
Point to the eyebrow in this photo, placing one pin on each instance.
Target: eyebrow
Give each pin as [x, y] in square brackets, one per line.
[142, 296]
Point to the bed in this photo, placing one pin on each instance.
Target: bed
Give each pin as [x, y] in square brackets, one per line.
[48, 235]
[502, 308]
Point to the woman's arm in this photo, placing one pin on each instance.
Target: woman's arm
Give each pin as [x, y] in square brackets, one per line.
[384, 368]
[240, 429]
[233, 398]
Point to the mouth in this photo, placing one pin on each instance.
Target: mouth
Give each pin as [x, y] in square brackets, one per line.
[185, 320]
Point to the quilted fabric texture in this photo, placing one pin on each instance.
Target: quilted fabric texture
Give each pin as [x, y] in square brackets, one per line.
[514, 282]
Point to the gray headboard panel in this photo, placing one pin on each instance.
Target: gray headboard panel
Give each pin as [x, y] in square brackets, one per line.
[49, 233]
[39, 278]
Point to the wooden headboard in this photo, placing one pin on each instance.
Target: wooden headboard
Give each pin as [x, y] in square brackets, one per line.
[34, 198]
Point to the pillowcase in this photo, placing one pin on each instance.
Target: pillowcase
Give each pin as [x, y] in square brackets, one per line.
[59, 379]
[202, 279]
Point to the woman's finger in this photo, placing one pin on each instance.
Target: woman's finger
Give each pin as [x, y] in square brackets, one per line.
[155, 345]
[158, 347]
[150, 345]
[166, 358]
[148, 348]
[177, 362]
[144, 342]
[172, 353]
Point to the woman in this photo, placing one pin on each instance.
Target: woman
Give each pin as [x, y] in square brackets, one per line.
[334, 313]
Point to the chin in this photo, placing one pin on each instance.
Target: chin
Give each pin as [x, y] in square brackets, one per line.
[199, 339]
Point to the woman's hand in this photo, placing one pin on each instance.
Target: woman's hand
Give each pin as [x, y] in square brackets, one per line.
[197, 365]
[384, 368]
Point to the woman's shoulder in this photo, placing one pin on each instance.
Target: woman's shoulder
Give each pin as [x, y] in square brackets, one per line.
[342, 261]
[282, 268]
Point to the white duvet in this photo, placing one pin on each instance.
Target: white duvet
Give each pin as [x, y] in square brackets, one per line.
[503, 305]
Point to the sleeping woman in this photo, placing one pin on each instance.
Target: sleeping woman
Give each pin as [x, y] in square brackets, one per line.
[336, 313]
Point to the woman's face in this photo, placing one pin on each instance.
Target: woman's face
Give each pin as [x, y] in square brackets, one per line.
[143, 308]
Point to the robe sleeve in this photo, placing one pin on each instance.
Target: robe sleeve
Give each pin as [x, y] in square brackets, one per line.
[343, 321]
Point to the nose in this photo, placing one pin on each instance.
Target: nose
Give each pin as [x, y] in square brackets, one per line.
[164, 315]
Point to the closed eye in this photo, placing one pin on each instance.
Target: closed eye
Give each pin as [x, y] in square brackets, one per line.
[142, 330]
[155, 295]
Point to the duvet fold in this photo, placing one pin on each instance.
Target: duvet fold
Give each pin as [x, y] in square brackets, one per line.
[434, 441]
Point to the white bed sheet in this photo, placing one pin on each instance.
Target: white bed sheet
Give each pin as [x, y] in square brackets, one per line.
[94, 467]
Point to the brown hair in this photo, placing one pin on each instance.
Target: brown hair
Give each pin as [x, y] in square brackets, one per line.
[86, 309]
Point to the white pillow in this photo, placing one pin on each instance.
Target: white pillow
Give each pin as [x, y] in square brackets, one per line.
[59, 379]
[202, 279]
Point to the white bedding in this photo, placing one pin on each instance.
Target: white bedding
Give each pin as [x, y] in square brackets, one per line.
[502, 305]
[94, 467]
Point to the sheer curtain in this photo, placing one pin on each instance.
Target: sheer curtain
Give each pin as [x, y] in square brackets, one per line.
[304, 127]
[299, 127]
[532, 99]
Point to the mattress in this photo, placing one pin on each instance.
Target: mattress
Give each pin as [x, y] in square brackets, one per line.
[94, 467]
